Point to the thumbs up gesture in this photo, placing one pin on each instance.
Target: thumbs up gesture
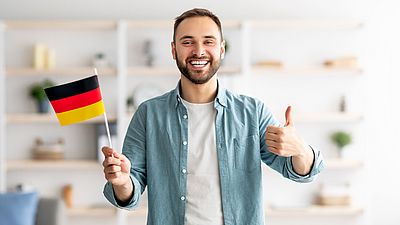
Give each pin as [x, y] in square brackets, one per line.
[284, 141]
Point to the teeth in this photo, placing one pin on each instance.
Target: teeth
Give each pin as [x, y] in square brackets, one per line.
[201, 63]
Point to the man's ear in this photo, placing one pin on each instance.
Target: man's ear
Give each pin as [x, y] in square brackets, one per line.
[223, 49]
[173, 50]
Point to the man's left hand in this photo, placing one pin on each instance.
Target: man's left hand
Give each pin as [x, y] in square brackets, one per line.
[284, 141]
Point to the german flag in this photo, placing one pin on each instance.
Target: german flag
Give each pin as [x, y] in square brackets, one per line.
[76, 101]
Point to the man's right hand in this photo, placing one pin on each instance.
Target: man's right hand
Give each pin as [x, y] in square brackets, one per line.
[116, 167]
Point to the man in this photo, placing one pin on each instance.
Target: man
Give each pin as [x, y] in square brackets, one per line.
[199, 148]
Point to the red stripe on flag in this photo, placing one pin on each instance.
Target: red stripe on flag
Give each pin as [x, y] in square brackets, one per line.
[76, 101]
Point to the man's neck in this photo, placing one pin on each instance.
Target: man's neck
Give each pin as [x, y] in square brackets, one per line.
[199, 93]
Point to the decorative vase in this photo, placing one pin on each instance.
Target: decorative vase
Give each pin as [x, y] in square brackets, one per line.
[43, 106]
[343, 152]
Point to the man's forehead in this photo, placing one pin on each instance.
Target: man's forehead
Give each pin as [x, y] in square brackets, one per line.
[197, 27]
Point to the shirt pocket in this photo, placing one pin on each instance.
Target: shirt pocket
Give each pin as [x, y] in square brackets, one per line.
[247, 153]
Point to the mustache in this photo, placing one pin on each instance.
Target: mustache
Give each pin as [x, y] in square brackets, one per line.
[199, 58]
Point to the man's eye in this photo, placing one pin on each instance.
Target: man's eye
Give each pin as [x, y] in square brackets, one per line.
[209, 42]
[187, 42]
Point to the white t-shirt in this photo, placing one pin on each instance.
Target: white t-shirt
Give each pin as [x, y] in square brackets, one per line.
[203, 197]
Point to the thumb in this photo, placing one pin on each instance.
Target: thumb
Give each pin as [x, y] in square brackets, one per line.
[125, 163]
[288, 116]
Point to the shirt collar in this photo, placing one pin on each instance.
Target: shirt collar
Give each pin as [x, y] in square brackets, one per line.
[220, 99]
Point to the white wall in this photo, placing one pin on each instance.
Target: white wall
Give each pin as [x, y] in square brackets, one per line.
[380, 53]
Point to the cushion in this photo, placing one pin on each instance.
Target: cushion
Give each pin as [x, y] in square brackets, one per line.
[18, 208]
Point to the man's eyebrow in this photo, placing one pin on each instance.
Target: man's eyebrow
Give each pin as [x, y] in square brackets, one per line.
[186, 37]
[191, 37]
[210, 36]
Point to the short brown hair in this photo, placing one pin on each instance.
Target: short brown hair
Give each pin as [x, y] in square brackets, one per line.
[196, 12]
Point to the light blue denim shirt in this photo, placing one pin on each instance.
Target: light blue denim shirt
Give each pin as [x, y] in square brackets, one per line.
[156, 143]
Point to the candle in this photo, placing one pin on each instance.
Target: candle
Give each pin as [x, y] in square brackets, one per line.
[38, 56]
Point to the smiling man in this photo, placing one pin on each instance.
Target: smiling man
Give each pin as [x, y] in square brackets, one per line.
[198, 148]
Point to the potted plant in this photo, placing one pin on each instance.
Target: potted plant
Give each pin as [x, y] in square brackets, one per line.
[37, 93]
[341, 139]
[227, 48]
[130, 104]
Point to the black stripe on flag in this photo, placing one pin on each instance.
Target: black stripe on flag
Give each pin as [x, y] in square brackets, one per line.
[73, 88]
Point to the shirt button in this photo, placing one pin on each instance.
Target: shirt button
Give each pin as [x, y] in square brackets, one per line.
[185, 116]
[184, 142]
[183, 198]
[183, 171]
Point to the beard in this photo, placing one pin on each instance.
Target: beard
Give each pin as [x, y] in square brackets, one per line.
[191, 75]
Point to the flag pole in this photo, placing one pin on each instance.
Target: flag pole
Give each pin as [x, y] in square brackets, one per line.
[105, 119]
[108, 129]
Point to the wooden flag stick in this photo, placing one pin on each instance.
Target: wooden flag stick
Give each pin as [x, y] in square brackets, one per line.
[105, 120]
[108, 130]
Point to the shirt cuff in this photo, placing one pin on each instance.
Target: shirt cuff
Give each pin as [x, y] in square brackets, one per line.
[316, 167]
[131, 203]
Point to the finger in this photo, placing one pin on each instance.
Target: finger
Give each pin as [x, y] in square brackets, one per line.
[125, 163]
[112, 176]
[122, 157]
[273, 150]
[112, 169]
[271, 144]
[274, 144]
[288, 116]
[274, 129]
[107, 151]
[111, 161]
[273, 137]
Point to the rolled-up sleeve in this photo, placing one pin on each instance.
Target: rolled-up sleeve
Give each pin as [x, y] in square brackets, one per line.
[134, 149]
[317, 167]
[129, 205]
[281, 164]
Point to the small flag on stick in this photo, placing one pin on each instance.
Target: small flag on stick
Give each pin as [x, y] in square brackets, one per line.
[76, 101]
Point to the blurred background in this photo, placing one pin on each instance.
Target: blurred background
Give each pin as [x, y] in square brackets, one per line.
[335, 62]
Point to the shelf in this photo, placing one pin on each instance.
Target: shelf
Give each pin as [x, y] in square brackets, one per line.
[141, 211]
[51, 24]
[169, 71]
[306, 24]
[23, 118]
[315, 211]
[311, 70]
[169, 24]
[90, 164]
[91, 211]
[52, 164]
[80, 71]
[334, 117]
[157, 24]
[343, 164]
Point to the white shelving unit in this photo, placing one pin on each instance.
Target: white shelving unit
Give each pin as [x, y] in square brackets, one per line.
[310, 70]
[346, 164]
[78, 72]
[84, 211]
[316, 211]
[123, 71]
[53, 164]
[24, 118]
[2, 110]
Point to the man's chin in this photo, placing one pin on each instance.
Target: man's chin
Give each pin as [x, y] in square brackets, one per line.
[200, 79]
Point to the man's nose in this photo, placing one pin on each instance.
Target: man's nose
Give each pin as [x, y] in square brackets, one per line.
[198, 50]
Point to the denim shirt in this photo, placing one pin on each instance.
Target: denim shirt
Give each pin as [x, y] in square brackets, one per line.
[156, 143]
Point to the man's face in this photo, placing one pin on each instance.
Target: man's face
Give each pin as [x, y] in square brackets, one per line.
[198, 49]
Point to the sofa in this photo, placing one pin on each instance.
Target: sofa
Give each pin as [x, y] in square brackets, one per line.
[27, 208]
[50, 211]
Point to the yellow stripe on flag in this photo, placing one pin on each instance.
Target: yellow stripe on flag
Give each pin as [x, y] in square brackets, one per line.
[81, 114]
